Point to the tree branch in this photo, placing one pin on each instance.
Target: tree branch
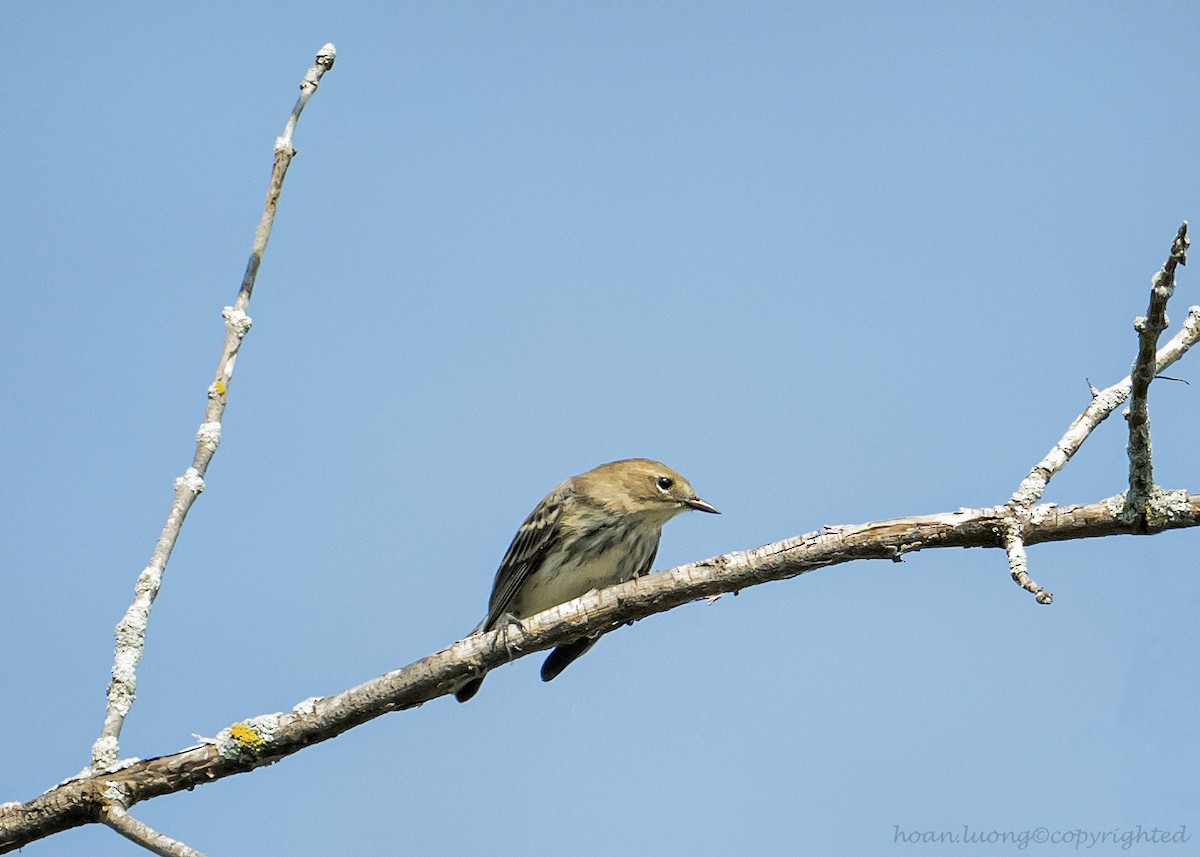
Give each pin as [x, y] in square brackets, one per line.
[131, 630]
[268, 738]
[1145, 367]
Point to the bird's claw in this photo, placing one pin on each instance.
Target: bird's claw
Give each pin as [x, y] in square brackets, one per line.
[506, 622]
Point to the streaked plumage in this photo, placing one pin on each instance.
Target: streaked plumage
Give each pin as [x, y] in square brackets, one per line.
[593, 530]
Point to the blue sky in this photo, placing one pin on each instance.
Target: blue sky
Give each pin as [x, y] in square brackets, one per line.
[833, 262]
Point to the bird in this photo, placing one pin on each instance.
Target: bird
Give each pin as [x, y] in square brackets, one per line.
[593, 530]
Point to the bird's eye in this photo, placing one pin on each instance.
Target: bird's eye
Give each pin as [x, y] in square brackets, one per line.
[664, 483]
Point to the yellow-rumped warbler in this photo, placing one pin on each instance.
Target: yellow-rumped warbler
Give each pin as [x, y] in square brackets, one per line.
[594, 530]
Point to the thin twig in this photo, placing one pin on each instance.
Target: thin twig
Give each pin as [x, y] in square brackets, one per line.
[1149, 328]
[1018, 563]
[116, 817]
[131, 630]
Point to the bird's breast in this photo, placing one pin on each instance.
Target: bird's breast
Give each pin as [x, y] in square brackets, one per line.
[592, 560]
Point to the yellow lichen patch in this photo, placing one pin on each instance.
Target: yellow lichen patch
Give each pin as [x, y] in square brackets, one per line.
[220, 388]
[242, 733]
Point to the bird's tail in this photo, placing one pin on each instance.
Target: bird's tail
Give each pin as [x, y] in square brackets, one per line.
[469, 689]
[562, 656]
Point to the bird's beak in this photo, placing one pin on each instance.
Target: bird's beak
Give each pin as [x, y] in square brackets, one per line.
[700, 506]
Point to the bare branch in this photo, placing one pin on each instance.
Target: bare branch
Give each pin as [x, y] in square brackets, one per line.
[1145, 367]
[1104, 403]
[1149, 363]
[1018, 563]
[144, 835]
[268, 738]
[131, 630]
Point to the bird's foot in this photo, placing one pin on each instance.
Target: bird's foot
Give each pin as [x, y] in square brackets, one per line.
[507, 621]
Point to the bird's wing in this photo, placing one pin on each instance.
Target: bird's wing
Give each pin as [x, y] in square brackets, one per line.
[648, 563]
[537, 536]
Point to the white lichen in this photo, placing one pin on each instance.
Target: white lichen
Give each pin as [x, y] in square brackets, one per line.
[191, 480]
[208, 436]
[237, 320]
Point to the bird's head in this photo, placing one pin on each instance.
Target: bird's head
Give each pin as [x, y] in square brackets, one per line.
[640, 486]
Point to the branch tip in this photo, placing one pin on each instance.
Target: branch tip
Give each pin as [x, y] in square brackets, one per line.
[1179, 247]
